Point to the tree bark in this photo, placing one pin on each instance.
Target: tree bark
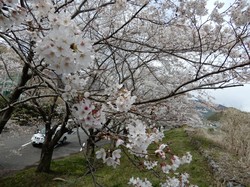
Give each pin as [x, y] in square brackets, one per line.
[46, 158]
[51, 139]
[5, 116]
[90, 151]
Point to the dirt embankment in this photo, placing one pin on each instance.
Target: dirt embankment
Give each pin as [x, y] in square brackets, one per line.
[226, 168]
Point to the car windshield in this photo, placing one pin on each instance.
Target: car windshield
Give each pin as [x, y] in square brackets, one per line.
[42, 131]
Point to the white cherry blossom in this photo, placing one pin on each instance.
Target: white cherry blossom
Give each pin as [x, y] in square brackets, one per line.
[119, 142]
[137, 182]
[176, 162]
[166, 168]
[150, 164]
[110, 160]
[101, 154]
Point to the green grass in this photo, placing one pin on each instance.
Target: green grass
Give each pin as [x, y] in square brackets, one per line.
[73, 169]
[198, 169]
[215, 116]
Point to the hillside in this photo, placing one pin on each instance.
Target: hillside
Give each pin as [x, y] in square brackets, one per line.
[207, 109]
[231, 134]
[224, 114]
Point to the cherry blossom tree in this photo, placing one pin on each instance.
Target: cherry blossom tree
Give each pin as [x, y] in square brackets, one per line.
[119, 67]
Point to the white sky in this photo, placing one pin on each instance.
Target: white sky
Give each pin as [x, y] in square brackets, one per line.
[238, 97]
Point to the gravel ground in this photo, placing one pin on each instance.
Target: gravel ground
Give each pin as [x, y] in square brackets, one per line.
[14, 130]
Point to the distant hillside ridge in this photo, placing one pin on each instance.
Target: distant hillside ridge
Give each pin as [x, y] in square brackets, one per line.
[206, 109]
[223, 114]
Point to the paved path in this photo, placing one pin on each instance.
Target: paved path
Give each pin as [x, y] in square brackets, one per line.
[16, 152]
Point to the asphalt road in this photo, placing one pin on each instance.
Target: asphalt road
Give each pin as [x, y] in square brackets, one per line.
[17, 152]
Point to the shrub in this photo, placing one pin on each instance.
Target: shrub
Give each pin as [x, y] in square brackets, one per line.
[236, 126]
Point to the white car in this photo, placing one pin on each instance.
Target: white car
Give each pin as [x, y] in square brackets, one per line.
[38, 137]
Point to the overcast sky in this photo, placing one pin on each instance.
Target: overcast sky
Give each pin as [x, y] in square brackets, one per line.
[238, 97]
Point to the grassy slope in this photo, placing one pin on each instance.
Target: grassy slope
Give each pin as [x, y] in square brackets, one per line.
[73, 169]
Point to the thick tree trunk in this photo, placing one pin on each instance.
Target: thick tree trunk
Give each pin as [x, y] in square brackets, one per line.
[5, 116]
[48, 146]
[90, 152]
[46, 158]
[47, 150]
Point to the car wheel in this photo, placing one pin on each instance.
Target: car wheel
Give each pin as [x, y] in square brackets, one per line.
[34, 145]
[64, 140]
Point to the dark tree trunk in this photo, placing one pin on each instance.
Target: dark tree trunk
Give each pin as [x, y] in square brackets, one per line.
[47, 150]
[50, 142]
[5, 116]
[45, 160]
[91, 145]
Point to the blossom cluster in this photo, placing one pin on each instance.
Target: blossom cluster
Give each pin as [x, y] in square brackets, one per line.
[64, 54]
[111, 158]
[88, 115]
[125, 101]
[161, 151]
[191, 8]
[74, 81]
[11, 14]
[139, 139]
[42, 8]
[241, 13]
[150, 164]
[69, 93]
[181, 181]
[123, 98]
[137, 182]
[59, 40]
[176, 162]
